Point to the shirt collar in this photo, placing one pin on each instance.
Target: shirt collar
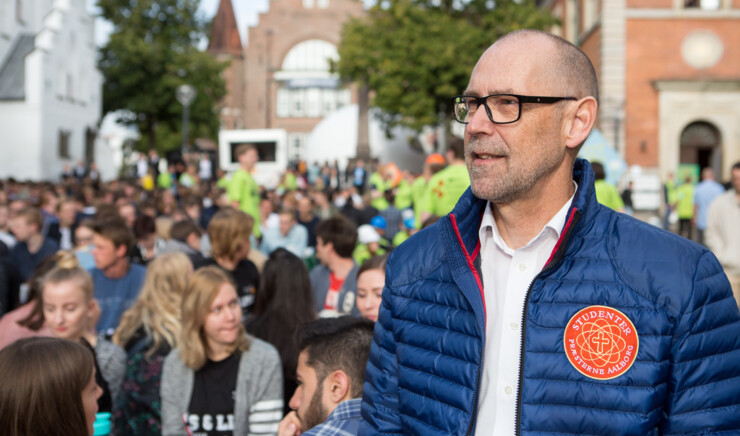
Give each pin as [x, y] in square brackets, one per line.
[346, 410]
[555, 225]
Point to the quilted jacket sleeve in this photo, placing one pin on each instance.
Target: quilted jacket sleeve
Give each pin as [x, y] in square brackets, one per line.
[704, 389]
[380, 407]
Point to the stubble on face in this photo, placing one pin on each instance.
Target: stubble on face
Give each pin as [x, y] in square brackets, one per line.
[524, 152]
[316, 413]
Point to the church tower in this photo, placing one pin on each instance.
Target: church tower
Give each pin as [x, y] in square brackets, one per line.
[225, 45]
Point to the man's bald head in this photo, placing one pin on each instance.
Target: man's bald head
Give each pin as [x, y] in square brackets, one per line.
[572, 70]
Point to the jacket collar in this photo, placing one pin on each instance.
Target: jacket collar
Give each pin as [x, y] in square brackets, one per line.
[469, 209]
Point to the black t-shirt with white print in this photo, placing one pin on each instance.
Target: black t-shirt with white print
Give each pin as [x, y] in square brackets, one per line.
[211, 410]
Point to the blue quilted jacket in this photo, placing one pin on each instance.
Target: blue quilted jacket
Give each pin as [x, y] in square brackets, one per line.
[423, 375]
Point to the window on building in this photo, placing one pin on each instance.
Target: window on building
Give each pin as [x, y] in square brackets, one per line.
[63, 145]
[90, 135]
[322, 4]
[707, 5]
[296, 145]
[311, 55]
[308, 4]
[282, 108]
[313, 102]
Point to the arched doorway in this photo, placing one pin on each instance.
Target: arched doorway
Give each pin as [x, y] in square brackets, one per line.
[701, 144]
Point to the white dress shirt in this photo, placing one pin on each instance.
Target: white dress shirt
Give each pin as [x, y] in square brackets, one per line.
[507, 275]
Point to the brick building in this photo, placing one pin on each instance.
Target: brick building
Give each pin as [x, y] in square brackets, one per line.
[669, 72]
[281, 79]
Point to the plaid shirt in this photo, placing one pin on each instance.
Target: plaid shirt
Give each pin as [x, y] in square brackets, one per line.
[343, 421]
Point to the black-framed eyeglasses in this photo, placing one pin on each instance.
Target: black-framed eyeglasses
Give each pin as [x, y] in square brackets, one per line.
[501, 108]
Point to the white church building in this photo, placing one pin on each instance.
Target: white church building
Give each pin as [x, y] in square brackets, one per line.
[50, 90]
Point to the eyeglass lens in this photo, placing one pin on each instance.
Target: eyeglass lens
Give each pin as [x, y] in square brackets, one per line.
[501, 108]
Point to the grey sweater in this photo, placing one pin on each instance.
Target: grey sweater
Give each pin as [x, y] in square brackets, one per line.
[258, 406]
[112, 362]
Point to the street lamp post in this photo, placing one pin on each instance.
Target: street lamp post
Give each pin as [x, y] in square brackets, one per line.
[185, 94]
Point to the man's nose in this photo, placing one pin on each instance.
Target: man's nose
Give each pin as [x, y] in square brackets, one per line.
[295, 400]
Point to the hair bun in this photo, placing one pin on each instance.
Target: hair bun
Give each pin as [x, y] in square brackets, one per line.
[67, 260]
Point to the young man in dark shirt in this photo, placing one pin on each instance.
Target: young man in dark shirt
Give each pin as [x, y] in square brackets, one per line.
[32, 246]
[229, 232]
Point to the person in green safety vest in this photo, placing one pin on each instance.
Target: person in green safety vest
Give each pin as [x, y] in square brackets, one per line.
[377, 188]
[164, 179]
[446, 187]
[404, 193]
[223, 179]
[243, 191]
[434, 163]
[409, 228]
[288, 182]
[685, 207]
[368, 244]
[606, 193]
[669, 200]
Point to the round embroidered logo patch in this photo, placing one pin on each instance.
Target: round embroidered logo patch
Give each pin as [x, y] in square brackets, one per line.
[600, 342]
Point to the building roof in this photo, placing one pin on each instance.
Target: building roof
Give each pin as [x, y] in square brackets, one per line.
[224, 31]
[13, 73]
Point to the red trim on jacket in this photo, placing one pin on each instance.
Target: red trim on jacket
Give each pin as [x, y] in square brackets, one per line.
[469, 259]
[562, 235]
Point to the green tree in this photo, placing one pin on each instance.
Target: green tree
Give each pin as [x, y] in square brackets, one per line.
[415, 55]
[151, 51]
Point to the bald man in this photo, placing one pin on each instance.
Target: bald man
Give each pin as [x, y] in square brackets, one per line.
[532, 309]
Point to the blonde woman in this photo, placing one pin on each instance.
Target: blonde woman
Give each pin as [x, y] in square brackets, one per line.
[70, 310]
[148, 332]
[219, 381]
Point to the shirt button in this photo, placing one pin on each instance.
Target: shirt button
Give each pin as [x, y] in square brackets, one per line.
[508, 390]
[514, 325]
[522, 267]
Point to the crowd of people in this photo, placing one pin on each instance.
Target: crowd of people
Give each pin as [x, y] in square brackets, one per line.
[189, 302]
[188, 290]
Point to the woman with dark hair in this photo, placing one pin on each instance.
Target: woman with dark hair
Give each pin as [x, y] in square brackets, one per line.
[283, 303]
[39, 398]
[219, 380]
[370, 282]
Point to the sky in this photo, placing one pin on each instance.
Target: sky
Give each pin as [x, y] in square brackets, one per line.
[246, 15]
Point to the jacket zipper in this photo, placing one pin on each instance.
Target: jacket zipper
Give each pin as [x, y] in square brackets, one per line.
[558, 257]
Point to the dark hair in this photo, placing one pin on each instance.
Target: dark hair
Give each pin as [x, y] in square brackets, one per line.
[283, 303]
[457, 147]
[114, 230]
[144, 226]
[375, 262]
[39, 398]
[184, 228]
[735, 166]
[599, 173]
[338, 344]
[341, 232]
[191, 200]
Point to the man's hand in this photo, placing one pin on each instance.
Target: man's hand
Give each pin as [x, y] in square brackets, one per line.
[290, 425]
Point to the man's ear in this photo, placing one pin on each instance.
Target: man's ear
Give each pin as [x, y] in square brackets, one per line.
[580, 121]
[337, 387]
[121, 250]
